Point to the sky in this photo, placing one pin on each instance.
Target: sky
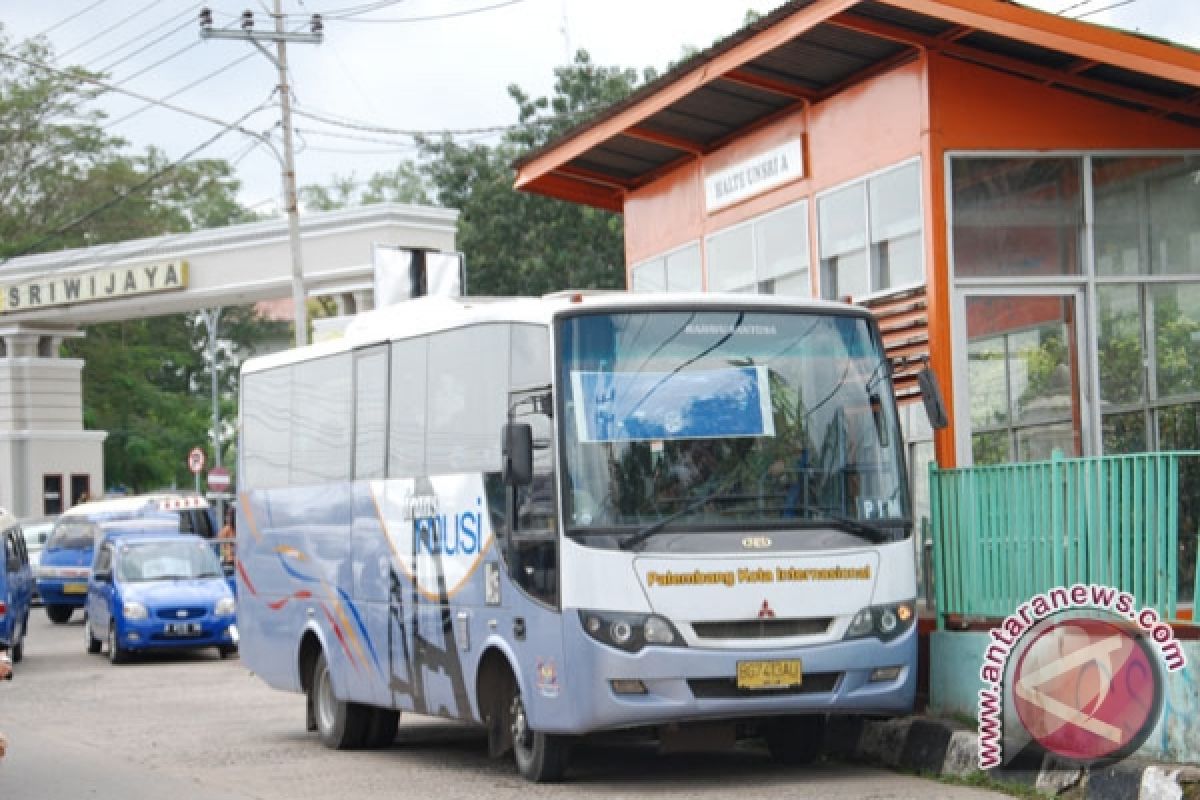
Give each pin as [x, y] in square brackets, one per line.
[393, 65]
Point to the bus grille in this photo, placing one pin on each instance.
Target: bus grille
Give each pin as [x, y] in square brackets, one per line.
[761, 628]
[721, 688]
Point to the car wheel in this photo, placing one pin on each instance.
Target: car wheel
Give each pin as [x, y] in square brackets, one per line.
[93, 644]
[18, 648]
[541, 757]
[341, 726]
[795, 741]
[116, 653]
[227, 650]
[381, 730]
[59, 615]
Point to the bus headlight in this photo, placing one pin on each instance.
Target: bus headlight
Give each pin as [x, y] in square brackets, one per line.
[630, 632]
[886, 622]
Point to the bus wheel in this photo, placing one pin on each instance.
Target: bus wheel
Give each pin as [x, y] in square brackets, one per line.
[341, 726]
[381, 730]
[795, 740]
[540, 757]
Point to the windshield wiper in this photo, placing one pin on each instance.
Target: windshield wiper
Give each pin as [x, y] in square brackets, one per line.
[850, 524]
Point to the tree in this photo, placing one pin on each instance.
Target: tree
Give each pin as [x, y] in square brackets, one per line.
[65, 182]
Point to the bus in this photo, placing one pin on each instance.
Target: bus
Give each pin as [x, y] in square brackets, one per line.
[585, 512]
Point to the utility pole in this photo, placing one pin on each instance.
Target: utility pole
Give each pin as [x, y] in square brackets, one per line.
[280, 37]
[212, 318]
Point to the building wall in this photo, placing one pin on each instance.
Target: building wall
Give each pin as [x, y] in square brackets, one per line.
[872, 125]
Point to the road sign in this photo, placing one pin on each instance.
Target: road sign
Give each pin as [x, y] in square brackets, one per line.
[218, 479]
[196, 460]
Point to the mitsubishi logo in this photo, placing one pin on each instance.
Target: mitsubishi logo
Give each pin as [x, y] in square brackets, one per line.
[766, 611]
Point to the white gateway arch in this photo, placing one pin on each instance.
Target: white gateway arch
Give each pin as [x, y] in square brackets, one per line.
[47, 459]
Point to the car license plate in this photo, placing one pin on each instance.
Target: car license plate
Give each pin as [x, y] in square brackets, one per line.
[181, 629]
[74, 588]
[768, 674]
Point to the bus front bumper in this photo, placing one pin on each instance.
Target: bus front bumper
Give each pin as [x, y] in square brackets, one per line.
[612, 689]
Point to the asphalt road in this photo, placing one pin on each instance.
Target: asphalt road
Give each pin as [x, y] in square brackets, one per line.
[193, 727]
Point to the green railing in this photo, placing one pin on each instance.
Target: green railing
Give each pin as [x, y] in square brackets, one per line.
[1002, 534]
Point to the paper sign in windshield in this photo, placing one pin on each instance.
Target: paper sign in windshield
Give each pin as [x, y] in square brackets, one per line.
[639, 406]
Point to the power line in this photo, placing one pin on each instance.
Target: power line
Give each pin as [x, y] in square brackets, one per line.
[187, 16]
[180, 90]
[1104, 8]
[109, 29]
[370, 128]
[120, 197]
[1073, 6]
[85, 78]
[76, 15]
[448, 15]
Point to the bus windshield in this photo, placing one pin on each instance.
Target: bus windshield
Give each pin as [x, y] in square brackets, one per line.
[707, 420]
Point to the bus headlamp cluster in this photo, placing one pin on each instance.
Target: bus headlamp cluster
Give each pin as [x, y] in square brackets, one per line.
[630, 632]
[884, 621]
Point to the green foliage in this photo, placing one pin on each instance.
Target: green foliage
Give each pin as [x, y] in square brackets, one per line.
[64, 183]
[514, 242]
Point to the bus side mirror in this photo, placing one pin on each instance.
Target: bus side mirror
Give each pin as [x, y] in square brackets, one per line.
[931, 395]
[518, 454]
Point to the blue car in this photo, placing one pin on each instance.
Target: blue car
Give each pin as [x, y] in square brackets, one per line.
[16, 587]
[151, 591]
[66, 560]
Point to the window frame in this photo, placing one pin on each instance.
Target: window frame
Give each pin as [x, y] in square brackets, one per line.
[865, 181]
[753, 224]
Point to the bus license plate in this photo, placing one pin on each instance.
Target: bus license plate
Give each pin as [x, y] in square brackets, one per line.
[768, 674]
[74, 588]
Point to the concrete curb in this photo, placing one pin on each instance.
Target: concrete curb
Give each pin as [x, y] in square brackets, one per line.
[946, 748]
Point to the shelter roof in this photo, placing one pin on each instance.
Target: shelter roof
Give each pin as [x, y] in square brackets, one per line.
[809, 50]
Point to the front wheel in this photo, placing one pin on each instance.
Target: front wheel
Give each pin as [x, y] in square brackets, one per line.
[59, 615]
[340, 726]
[541, 757]
[91, 642]
[116, 653]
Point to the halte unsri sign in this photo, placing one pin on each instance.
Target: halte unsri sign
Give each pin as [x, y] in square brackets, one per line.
[91, 285]
[755, 175]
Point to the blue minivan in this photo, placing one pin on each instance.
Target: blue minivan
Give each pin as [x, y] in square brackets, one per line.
[66, 561]
[151, 590]
[16, 587]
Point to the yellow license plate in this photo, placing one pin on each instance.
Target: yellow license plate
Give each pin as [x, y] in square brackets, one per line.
[768, 674]
[74, 588]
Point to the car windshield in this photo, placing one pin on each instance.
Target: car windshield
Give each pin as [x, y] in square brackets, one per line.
[73, 535]
[159, 561]
[720, 419]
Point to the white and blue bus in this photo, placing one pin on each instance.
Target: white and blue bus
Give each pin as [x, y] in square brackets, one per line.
[578, 513]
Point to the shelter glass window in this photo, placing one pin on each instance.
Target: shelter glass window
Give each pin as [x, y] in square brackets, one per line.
[1017, 217]
[768, 255]
[1147, 215]
[677, 271]
[871, 234]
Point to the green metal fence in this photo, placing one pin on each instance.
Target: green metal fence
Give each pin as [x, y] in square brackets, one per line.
[1001, 534]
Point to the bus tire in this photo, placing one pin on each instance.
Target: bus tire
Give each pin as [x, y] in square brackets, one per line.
[541, 757]
[340, 726]
[795, 741]
[381, 730]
